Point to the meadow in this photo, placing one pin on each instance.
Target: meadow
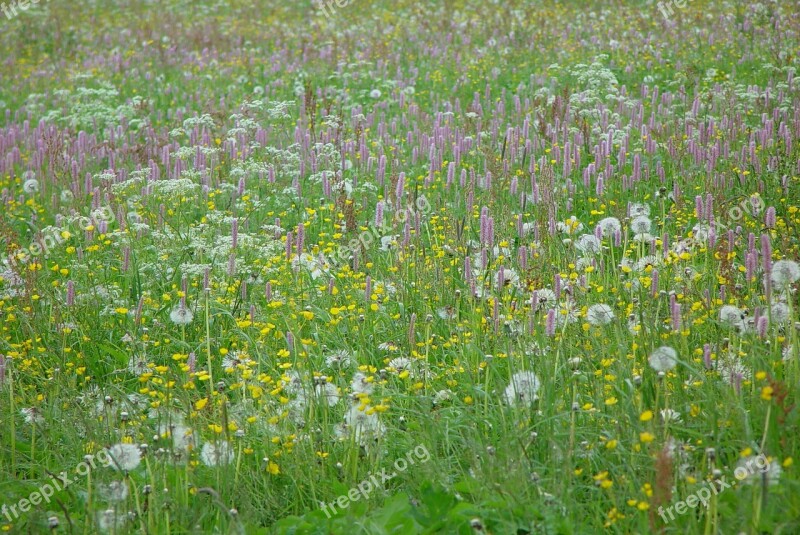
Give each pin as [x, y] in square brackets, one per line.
[394, 266]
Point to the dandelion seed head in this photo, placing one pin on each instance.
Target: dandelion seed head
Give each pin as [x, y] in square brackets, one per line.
[663, 359]
[600, 314]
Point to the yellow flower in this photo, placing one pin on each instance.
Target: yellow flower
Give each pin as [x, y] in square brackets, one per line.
[646, 437]
[273, 468]
[646, 416]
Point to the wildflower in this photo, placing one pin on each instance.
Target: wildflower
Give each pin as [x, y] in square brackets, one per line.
[780, 312]
[116, 491]
[507, 277]
[609, 226]
[388, 243]
[638, 210]
[633, 325]
[138, 364]
[647, 261]
[110, 521]
[328, 392]
[446, 313]
[784, 274]
[181, 315]
[733, 316]
[234, 359]
[293, 383]
[522, 389]
[401, 364]
[545, 298]
[641, 225]
[528, 229]
[644, 237]
[340, 358]
[584, 263]
[32, 415]
[567, 313]
[375, 94]
[441, 396]
[360, 384]
[732, 370]
[218, 454]
[183, 438]
[31, 186]
[365, 426]
[663, 359]
[669, 415]
[599, 314]
[588, 244]
[570, 226]
[125, 457]
[307, 261]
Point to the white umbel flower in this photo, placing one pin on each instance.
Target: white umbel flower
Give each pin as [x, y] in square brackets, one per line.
[669, 415]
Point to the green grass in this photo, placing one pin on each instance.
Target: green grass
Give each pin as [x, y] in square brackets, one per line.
[593, 452]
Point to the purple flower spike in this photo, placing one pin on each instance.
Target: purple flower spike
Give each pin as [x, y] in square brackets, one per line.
[707, 362]
[770, 218]
[550, 328]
